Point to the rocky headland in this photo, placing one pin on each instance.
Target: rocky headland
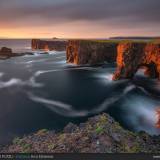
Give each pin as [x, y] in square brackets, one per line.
[91, 51]
[49, 45]
[133, 55]
[100, 134]
[129, 55]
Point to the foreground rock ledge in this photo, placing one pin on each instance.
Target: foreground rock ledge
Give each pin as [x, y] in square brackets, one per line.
[49, 45]
[91, 51]
[100, 134]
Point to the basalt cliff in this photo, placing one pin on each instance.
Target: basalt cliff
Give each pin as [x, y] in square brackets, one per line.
[49, 45]
[90, 51]
[133, 55]
[129, 55]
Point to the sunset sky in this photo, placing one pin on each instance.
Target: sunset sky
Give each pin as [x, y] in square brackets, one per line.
[79, 18]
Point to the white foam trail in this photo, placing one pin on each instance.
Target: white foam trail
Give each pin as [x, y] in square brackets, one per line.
[1, 74]
[109, 77]
[140, 72]
[105, 104]
[143, 90]
[38, 73]
[129, 88]
[60, 57]
[18, 82]
[69, 111]
[11, 82]
[59, 107]
[143, 114]
[61, 62]
[32, 61]
[32, 81]
[51, 102]
[104, 76]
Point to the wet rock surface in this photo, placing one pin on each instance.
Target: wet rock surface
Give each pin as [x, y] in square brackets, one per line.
[100, 134]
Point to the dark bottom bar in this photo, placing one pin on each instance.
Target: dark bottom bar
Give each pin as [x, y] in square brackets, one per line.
[80, 156]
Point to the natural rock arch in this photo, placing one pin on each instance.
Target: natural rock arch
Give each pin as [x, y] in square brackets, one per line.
[150, 70]
[132, 55]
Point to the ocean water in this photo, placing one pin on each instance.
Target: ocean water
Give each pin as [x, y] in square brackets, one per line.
[43, 91]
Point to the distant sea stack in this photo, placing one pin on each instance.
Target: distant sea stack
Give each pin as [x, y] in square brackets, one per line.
[91, 51]
[49, 45]
[6, 53]
[134, 55]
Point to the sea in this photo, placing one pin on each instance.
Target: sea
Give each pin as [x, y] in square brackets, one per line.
[42, 91]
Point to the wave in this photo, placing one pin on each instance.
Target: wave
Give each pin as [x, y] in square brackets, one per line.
[18, 82]
[59, 107]
[142, 114]
[38, 73]
[11, 82]
[68, 110]
[60, 57]
[105, 76]
[129, 88]
[32, 81]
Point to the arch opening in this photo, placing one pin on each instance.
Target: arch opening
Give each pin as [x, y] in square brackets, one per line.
[147, 70]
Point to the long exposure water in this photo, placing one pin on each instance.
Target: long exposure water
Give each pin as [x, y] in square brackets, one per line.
[43, 91]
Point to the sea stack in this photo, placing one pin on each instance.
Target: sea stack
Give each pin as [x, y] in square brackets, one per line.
[91, 51]
[6, 53]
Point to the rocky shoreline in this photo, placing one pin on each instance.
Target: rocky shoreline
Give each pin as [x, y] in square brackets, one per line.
[6, 53]
[100, 134]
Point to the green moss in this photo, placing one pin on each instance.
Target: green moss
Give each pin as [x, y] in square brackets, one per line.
[117, 126]
[51, 146]
[99, 130]
[42, 131]
[135, 148]
[26, 148]
[17, 141]
[156, 41]
[103, 119]
[62, 136]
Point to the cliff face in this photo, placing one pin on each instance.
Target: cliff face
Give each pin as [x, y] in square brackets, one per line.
[57, 45]
[130, 56]
[90, 52]
[158, 118]
[133, 55]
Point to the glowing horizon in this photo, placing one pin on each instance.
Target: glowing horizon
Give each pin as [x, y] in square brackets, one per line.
[78, 19]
